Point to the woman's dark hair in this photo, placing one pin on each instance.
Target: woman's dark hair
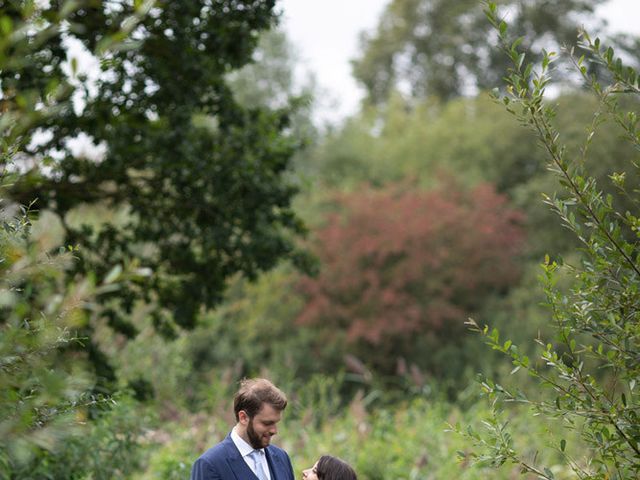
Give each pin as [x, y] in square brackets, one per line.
[333, 468]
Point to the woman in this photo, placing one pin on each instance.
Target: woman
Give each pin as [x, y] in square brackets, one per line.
[329, 468]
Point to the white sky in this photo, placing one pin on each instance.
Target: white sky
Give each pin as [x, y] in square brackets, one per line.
[325, 34]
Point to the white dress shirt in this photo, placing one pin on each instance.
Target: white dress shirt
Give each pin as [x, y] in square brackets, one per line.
[246, 450]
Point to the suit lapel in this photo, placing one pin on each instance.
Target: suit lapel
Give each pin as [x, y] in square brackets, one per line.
[236, 463]
[275, 464]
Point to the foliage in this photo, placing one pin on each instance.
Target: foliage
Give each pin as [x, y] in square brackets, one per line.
[152, 367]
[37, 403]
[401, 265]
[270, 80]
[199, 179]
[445, 49]
[107, 447]
[590, 366]
[422, 141]
[476, 141]
[254, 330]
[471, 138]
[406, 440]
[46, 388]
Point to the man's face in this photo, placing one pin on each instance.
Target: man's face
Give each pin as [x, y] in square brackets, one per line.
[259, 429]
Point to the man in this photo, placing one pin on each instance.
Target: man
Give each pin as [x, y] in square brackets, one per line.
[246, 453]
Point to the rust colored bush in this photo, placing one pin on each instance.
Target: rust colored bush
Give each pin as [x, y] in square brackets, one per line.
[398, 263]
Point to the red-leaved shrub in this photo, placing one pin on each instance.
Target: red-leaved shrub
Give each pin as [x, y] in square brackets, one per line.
[398, 263]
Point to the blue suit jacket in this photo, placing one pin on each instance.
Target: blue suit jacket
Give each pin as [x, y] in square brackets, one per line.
[224, 462]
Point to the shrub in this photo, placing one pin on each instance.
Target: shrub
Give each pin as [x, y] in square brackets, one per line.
[402, 266]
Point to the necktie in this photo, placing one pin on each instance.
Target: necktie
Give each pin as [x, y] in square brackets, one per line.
[256, 455]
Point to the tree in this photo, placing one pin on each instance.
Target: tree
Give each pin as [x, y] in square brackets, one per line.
[457, 137]
[445, 49]
[591, 364]
[271, 80]
[199, 181]
[476, 141]
[403, 266]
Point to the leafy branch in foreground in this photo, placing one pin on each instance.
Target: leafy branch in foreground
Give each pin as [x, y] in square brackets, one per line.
[44, 392]
[47, 388]
[591, 366]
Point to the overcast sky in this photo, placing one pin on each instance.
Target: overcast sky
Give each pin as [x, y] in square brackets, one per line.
[325, 34]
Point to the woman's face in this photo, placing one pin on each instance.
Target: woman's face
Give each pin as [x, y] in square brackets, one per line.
[310, 473]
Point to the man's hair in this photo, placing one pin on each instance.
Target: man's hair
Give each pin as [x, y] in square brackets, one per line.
[255, 392]
[334, 468]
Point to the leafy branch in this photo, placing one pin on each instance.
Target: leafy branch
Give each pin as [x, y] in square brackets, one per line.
[591, 366]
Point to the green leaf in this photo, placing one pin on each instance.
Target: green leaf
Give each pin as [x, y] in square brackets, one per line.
[503, 28]
[609, 54]
[6, 25]
[114, 274]
[516, 43]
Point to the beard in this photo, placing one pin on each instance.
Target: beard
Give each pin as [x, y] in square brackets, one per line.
[254, 439]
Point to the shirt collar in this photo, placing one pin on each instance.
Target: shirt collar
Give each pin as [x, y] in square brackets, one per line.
[244, 448]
